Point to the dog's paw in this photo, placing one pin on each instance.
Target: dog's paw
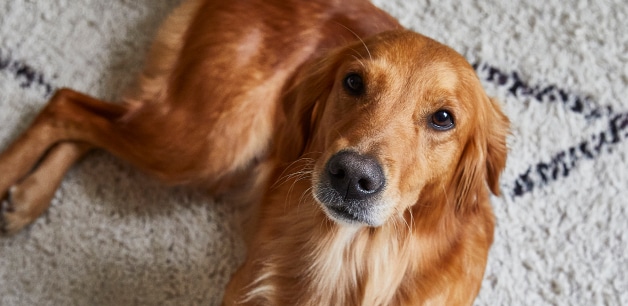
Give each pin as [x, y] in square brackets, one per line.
[12, 219]
[6, 212]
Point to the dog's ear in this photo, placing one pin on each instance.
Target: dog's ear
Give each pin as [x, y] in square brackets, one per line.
[496, 147]
[303, 106]
[483, 157]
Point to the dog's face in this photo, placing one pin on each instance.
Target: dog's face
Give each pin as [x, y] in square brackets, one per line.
[397, 121]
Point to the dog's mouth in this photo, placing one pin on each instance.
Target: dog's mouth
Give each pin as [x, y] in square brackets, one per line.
[352, 213]
[344, 213]
[350, 187]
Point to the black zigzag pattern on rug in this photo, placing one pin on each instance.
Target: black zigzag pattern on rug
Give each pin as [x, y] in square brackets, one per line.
[562, 163]
[539, 174]
[583, 105]
[27, 75]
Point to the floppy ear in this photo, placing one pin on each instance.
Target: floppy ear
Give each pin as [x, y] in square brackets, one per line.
[483, 157]
[496, 148]
[303, 105]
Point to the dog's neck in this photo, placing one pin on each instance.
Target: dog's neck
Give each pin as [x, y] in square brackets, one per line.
[313, 258]
[355, 264]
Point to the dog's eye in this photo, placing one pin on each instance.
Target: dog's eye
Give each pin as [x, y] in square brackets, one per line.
[442, 120]
[354, 84]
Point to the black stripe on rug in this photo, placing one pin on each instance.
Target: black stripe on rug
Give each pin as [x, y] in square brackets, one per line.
[562, 163]
[583, 105]
[24, 73]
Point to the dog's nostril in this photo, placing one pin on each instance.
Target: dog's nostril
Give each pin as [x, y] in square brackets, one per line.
[368, 185]
[355, 176]
[337, 172]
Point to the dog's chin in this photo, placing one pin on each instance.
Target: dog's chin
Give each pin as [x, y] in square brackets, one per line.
[350, 213]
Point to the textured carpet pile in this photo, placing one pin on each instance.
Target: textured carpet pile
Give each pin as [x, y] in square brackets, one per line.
[116, 237]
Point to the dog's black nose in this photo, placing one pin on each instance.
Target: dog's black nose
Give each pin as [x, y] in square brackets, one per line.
[355, 176]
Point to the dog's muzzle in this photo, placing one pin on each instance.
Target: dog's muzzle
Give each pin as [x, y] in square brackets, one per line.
[350, 187]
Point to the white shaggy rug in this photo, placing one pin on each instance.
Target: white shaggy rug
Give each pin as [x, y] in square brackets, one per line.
[115, 237]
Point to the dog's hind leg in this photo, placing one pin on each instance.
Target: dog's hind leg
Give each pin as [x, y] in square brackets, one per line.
[32, 168]
[165, 144]
[30, 197]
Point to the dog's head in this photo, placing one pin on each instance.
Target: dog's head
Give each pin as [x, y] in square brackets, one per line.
[396, 122]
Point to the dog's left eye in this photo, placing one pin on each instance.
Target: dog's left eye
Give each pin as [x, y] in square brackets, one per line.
[354, 84]
[442, 120]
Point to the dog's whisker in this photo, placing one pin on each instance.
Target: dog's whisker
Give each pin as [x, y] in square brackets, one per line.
[357, 59]
[445, 193]
[316, 153]
[304, 160]
[406, 221]
[307, 167]
[305, 173]
[411, 217]
[295, 175]
[297, 179]
[394, 221]
[359, 38]
[304, 195]
[337, 131]
[399, 218]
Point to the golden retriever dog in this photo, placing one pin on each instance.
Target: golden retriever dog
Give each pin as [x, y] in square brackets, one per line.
[370, 151]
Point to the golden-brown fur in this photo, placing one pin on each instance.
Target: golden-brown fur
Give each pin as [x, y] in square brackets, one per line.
[258, 89]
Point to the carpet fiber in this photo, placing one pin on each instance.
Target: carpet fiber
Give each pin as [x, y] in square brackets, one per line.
[116, 237]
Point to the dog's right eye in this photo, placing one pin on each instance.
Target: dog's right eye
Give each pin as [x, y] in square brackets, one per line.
[354, 84]
[442, 120]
